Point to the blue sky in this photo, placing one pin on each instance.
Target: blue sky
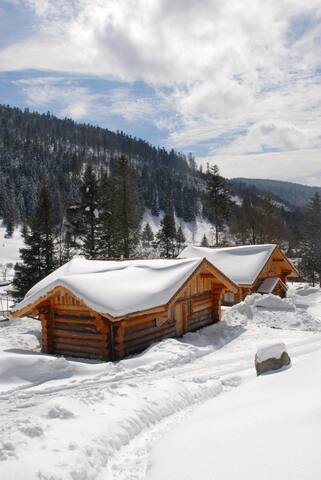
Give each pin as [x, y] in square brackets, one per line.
[236, 83]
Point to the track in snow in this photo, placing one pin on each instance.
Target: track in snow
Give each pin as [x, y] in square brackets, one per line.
[131, 462]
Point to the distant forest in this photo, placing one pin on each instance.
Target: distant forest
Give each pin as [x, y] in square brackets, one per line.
[35, 146]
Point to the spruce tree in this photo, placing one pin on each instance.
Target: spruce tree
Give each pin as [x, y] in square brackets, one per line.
[108, 218]
[166, 236]
[204, 242]
[218, 197]
[147, 236]
[89, 207]
[180, 240]
[83, 218]
[128, 204]
[38, 255]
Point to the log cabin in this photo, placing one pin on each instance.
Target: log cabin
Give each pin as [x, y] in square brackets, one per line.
[110, 309]
[255, 268]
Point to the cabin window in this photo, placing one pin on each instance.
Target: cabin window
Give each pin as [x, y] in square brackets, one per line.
[229, 297]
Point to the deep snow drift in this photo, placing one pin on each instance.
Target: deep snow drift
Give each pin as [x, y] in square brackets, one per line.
[266, 429]
[62, 419]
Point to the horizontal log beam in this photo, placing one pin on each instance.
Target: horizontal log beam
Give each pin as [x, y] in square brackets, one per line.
[147, 339]
[148, 331]
[69, 334]
[132, 348]
[80, 341]
[76, 348]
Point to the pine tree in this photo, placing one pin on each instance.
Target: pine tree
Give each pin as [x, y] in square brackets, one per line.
[311, 249]
[89, 207]
[38, 255]
[108, 218]
[218, 197]
[204, 242]
[147, 236]
[83, 220]
[129, 211]
[180, 240]
[166, 236]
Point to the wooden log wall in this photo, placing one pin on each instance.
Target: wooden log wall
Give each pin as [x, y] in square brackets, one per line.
[134, 335]
[200, 319]
[68, 328]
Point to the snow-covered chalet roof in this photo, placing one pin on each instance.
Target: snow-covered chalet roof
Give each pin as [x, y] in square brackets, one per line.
[117, 287]
[269, 284]
[241, 264]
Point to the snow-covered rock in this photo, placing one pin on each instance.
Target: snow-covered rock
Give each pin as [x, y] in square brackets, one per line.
[271, 357]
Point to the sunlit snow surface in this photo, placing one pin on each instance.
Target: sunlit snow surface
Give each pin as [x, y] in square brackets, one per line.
[82, 420]
[9, 247]
[117, 287]
[241, 264]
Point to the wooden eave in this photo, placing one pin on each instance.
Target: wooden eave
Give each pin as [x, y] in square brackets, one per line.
[294, 272]
[33, 308]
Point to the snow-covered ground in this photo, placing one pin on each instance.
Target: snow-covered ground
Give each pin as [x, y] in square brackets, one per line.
[193, 231]
[9, 247]
[81, 420]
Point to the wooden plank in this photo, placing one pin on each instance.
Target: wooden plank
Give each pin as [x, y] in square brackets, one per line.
[151, 337]
[79, 341]
[148, 331]
[141, 346]
[69, 334]
[73, 308]
[200, 296]
[150, 312]
[73, 320]
[67, 327]
[76, 348]
[141, 326]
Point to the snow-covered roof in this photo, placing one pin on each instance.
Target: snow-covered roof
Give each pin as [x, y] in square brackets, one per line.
[241, 264]
[269, 284]
[117, 287]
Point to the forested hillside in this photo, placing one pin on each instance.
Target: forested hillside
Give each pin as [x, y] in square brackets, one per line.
[294, 194]
[34, 146]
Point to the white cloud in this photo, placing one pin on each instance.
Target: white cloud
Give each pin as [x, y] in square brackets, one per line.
[224, 72]
[78, 102]
[303, 166]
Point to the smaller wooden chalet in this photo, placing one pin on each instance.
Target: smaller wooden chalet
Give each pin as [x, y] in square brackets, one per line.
[255, 268]
[110, 309]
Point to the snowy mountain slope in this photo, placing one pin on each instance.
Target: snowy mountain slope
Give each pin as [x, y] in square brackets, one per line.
[81, 420]
[193, 231]
[9, 247]
[267, 429]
